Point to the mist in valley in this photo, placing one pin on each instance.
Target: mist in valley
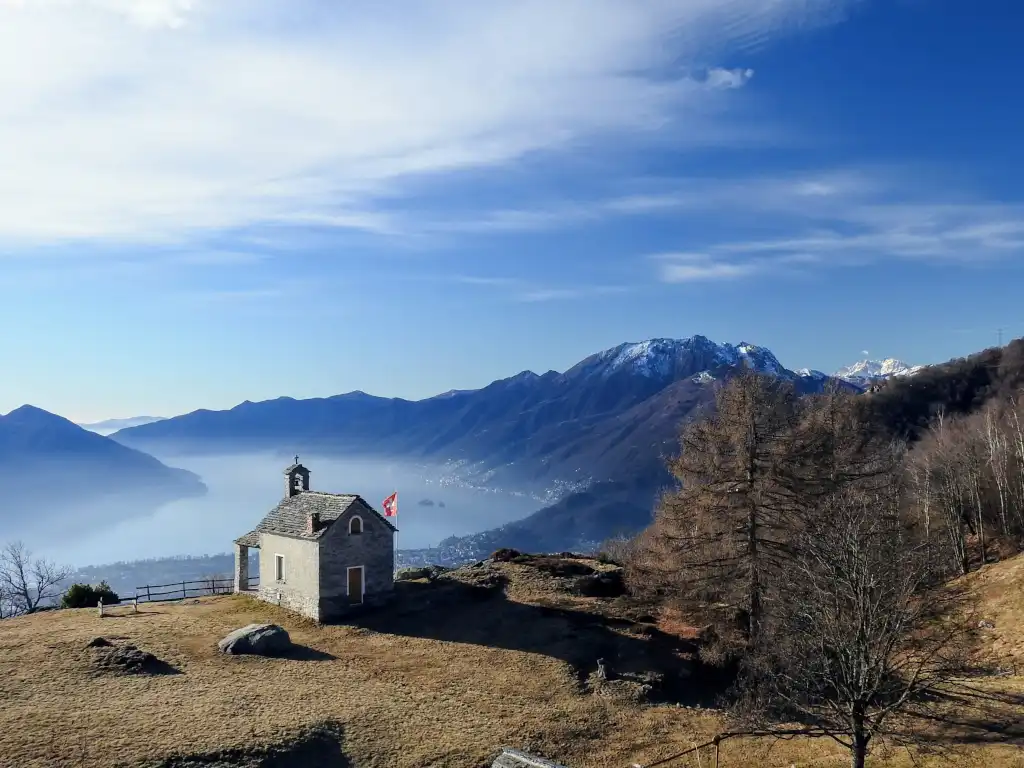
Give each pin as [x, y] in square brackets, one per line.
[242, 488]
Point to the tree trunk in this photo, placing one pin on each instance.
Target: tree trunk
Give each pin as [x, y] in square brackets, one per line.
[859, 751]
[755, 581]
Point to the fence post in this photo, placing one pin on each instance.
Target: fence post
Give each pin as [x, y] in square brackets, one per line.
[99, 605]
[184, 594]
[148, 597]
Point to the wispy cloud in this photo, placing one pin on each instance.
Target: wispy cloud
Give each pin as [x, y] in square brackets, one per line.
[697, 267]
[487, 280]
[574, 292]
[728, 78]
[216, 258]
[233, 295]
[799, 194]
[837, 220]
[163, 118]
[530, 292]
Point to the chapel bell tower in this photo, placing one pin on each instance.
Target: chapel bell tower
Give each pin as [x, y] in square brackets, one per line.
[296, 479]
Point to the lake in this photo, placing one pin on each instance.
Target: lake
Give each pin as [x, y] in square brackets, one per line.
[243, 488]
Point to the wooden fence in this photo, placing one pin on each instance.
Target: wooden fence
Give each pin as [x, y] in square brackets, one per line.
[180, 590]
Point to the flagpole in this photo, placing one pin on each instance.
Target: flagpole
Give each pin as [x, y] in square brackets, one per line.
[391, 510]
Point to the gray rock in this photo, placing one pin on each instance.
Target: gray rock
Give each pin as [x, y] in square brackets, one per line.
[258, 639]
[514, 758]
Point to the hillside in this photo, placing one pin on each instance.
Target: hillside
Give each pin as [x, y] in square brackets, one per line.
[491, 655]
[109, 426]
[53, 471]
[906, 406]
[580, 521]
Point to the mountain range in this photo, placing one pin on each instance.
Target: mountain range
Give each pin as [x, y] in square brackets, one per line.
[611, 416]
[866, 372]
[592, 439]
[57, 475]
[109, 426]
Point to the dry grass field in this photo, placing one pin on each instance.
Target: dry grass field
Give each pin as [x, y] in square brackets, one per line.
[444, 678]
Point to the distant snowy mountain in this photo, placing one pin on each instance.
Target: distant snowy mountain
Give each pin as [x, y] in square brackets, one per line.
[867, 371]
[673, 358]
[110, 426]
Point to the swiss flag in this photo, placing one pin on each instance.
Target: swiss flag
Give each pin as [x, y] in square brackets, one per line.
[391, 505]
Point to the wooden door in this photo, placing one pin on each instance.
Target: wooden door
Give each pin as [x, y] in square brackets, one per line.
[355, 584]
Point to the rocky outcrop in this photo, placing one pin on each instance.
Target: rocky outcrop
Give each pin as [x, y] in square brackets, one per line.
[426, 572]
[257, 639]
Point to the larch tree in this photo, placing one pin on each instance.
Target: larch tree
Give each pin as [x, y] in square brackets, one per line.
[717, 538]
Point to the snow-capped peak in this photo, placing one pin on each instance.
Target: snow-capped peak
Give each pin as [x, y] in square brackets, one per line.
[661, 358]
[809, 373]
[874, 370]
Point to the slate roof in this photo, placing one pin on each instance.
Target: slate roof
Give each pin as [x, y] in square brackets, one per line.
[289, 517]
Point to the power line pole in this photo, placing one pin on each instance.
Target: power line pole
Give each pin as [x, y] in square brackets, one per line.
[1000, 337]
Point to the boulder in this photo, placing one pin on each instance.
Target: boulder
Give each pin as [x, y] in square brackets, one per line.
[126, 659]
[258, 639]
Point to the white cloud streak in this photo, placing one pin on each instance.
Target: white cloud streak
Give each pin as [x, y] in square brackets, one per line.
[700, 267]
[574, 292]
[529, 292]
[148, 120]
[728, 78]
[825, 219]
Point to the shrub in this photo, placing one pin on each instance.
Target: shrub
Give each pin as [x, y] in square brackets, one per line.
[505, 554]
[556, 566]
[605, 584]
[615, 551]
[88, 596]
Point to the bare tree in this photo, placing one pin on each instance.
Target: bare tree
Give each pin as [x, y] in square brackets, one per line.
[861, 649]
[28, 583]
[6, 605]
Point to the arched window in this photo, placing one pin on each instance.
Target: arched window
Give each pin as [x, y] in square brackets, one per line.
[355, 525]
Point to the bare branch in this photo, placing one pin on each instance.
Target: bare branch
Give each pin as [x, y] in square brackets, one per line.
[27, 583]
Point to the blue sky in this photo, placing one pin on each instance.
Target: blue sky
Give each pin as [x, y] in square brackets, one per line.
[210, 201]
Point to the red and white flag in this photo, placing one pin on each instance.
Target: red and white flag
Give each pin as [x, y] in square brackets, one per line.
[391, 505]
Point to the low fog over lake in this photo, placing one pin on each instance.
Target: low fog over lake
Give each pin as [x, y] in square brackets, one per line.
[243, 488]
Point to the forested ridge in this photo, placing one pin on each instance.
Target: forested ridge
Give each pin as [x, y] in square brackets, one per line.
[813, 541]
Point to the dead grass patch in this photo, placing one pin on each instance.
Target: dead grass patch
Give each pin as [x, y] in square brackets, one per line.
[448, 696]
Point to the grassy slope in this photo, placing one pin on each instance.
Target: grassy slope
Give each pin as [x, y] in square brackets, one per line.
[467, 681]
